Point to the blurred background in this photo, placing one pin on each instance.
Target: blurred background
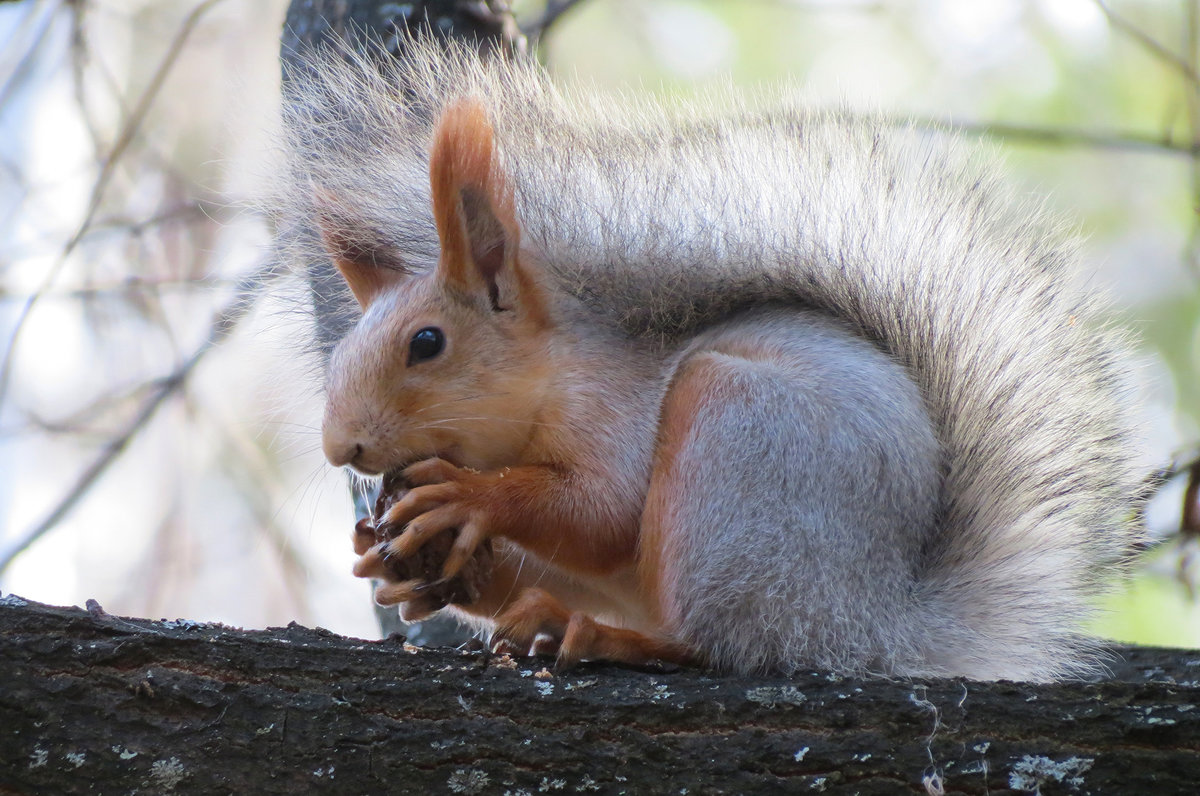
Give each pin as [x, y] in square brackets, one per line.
[159, 409]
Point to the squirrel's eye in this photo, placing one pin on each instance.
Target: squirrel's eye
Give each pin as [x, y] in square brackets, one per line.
[426, 344]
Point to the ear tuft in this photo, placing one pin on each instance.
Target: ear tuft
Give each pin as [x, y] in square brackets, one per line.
[474, 210]
[472, 200]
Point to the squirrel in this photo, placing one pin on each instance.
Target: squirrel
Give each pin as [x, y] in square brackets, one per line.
[759, 389]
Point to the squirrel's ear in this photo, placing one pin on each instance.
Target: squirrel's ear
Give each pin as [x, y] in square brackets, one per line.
[367, 264]
[474, 211]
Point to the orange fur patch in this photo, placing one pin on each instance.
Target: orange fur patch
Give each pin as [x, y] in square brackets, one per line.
[691, 387]
[463, 158]
[464, 164]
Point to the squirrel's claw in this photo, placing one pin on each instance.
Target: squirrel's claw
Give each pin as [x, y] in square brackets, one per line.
[402, 592]
[415, 503]
[538, 623]
[470, 536]
[446, 498]
[371, 563]
[534, 621]
[424, 527]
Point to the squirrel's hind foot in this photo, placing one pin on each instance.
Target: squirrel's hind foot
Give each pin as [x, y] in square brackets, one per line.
[538, 624]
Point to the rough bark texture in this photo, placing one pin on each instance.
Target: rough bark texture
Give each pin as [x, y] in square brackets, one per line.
[96, 703]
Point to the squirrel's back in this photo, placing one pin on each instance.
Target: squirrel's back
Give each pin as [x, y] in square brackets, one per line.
[664, 221]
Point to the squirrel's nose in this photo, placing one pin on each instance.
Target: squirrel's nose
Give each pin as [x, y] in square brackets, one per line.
[341, 452]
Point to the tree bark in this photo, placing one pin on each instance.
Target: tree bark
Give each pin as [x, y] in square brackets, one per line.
[96, 703]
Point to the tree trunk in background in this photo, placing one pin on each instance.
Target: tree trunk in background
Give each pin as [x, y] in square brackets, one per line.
[92, 703]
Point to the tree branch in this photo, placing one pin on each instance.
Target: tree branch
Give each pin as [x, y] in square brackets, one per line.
[97, 703]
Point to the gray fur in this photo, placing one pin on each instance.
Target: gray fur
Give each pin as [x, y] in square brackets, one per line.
[668, 221]
[822, 565]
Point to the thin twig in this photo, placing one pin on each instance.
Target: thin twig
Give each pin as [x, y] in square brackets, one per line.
[136, 286]
[24, 61]
[1056, 136]
[1148, 42]
[194, 210]
[132, 124]
[80, 422]
[224, 321]
[80, 58]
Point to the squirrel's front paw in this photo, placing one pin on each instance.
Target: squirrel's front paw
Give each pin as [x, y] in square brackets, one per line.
[415, 579]
[444, 501]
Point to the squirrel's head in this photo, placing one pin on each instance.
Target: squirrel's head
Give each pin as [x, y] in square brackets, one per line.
[450, 362]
